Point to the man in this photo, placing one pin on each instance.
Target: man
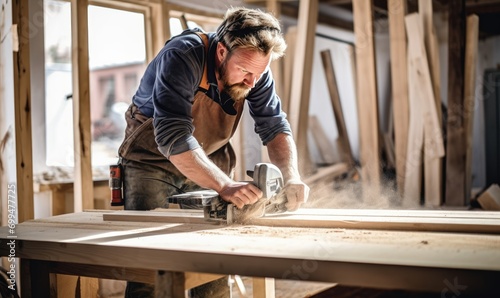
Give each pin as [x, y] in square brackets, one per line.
[188, 105]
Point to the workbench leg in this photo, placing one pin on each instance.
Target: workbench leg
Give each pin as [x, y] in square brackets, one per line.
[263, 287]
[169, 284]
[39, 285]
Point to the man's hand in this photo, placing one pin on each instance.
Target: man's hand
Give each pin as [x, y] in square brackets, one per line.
[241, 194]
[297, 193]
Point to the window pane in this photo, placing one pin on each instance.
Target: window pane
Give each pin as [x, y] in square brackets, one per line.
[58, 83]
[117, 57]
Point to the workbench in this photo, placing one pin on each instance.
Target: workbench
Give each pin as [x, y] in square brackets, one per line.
[87, 245]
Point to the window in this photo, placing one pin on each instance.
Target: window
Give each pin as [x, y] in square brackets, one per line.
[117, 59]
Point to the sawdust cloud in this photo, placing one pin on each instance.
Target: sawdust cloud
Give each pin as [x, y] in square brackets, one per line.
[349, 194]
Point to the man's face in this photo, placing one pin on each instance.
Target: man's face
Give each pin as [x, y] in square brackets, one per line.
[240, 70]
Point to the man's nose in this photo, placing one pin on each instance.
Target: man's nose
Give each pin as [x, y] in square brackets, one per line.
[250, 80]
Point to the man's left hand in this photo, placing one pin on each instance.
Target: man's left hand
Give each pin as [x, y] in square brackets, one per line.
[297, 193]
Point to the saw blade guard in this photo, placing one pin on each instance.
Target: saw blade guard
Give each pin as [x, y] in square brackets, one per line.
[268, 179]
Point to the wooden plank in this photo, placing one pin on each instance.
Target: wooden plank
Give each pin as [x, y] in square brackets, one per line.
[421, 89]
[22, 111]
[301, 82]
[343, 138]
[367, 98]
[455, 137]
[399, 82]
[83, 186]
[433, 167]
[435, 221]
[471, 52]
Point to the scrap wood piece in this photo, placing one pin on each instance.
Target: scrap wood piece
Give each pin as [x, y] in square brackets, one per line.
[490, 199]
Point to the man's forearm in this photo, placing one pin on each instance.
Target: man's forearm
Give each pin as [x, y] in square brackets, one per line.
[197, 167]
[283, 154]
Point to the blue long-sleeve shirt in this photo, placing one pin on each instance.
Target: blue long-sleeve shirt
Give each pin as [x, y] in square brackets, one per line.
[167, 90]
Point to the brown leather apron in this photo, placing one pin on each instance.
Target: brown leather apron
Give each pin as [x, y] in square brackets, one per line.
[213, 130]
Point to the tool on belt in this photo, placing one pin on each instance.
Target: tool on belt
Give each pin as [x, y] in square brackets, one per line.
[267, 177]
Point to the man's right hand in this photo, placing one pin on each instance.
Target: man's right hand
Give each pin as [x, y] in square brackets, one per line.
[241, 194]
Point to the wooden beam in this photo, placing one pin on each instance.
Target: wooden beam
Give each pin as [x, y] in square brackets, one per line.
[412, 220]
[471, 49]
[22, 111]
[343, 138]
[83, 185]
[367, 98]
[433, 167]
[301, 81]
[455, 141]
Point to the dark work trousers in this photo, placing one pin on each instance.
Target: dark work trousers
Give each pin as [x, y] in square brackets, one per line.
[147, 187]
[149, 179]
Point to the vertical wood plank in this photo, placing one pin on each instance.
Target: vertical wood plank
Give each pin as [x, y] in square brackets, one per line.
[433, 168]
[399, 76]
[455, 137]
[301, 81]
[291, 40]
[367, 97]
[421, 88]
[22, 110]
[83, 185]
[263, 287]
[331, 80]
[471, 45]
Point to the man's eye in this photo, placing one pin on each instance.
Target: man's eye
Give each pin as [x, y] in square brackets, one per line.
[243, 70]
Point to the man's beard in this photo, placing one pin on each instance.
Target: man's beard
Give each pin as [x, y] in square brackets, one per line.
[238, 91]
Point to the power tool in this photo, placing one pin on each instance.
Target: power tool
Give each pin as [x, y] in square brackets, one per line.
[267, 177]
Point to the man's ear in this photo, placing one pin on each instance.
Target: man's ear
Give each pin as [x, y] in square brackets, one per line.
[221, 51]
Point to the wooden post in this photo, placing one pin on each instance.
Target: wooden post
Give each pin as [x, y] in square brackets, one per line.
[301, 81]
[22, 111]
[397, 11]
[83, 185]
[367, 98]
[433, 167]
[470, 95]
[455, 150]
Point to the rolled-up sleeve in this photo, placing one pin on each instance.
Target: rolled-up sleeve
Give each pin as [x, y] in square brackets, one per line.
[178, 72]
[265, 108]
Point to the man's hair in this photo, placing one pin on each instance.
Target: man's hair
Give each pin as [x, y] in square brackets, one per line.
[252, 29]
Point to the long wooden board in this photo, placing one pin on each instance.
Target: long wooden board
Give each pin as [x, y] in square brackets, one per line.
[366, 258]
[417, 220]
